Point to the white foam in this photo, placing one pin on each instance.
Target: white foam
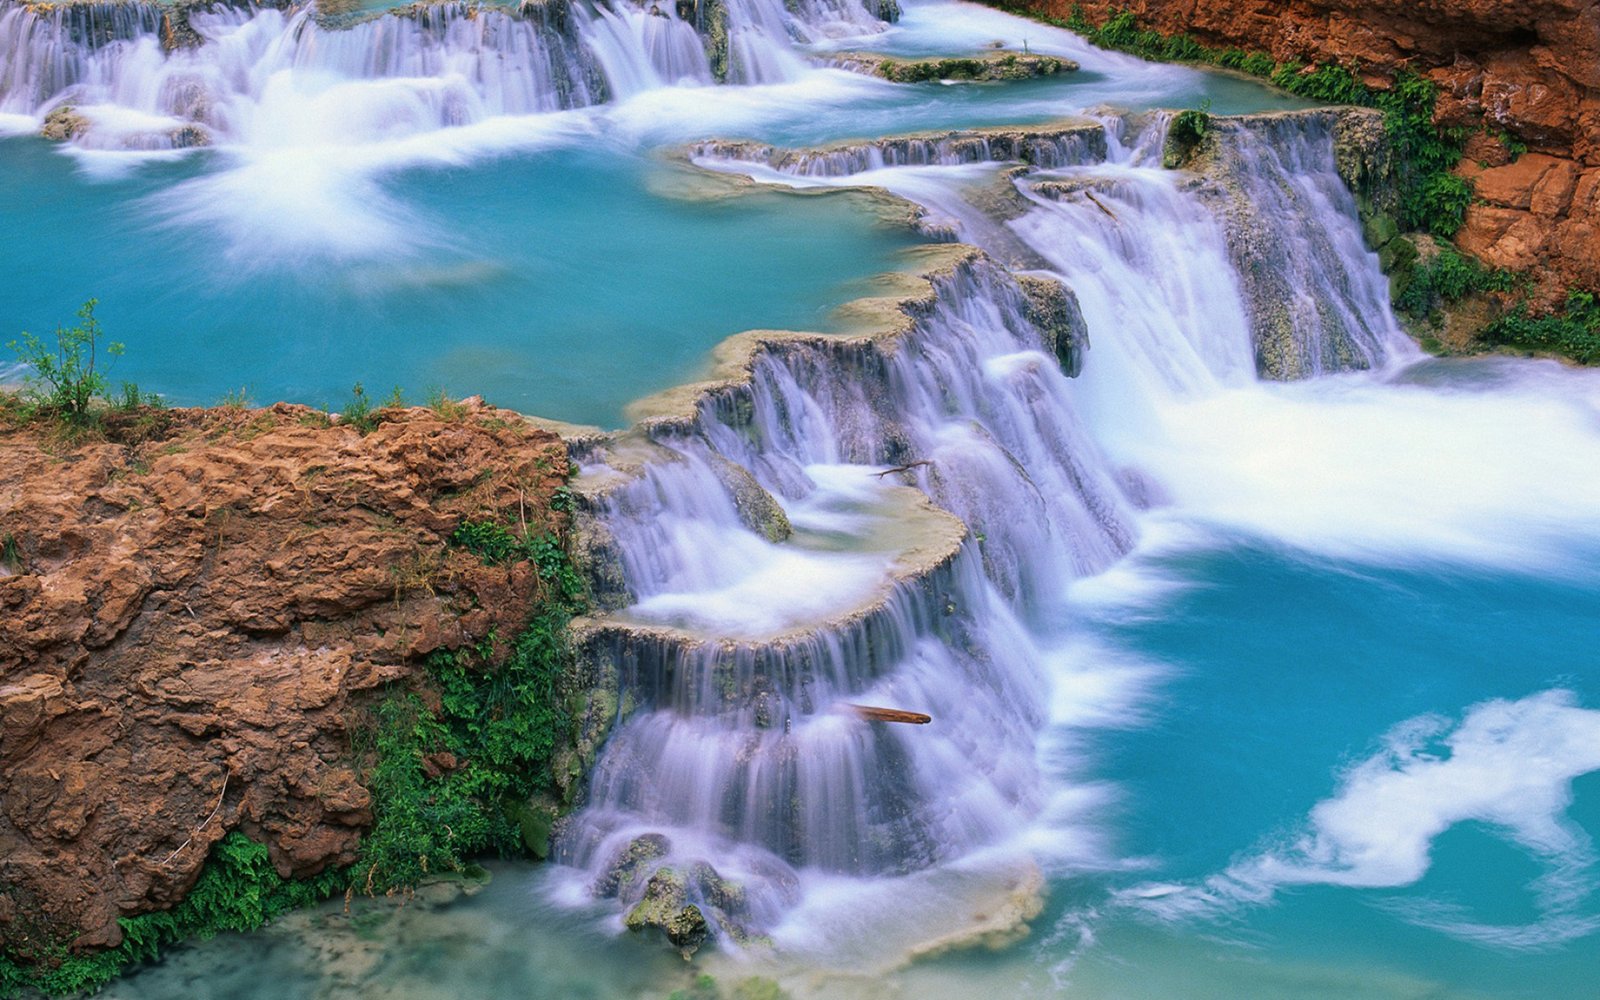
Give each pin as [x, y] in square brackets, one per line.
[1507, 764]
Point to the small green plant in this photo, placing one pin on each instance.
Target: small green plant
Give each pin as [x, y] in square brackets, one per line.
[1448, 277]
[1513, 145]
[133, 399]
[67, 376]
[236, 399]
[1189, 127]
[396, 400]
[359, 412]
[444, 406]
[10, 553]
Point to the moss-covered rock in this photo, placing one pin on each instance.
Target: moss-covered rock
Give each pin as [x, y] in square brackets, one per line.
[990, 66]
[1054, 310]
[665, 906]
[64, 124]
[758, 509]
[711, 20]
[1184, 136]
[628, 866]
[535, 819]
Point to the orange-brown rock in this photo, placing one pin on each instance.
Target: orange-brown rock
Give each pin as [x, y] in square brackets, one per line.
[190, 613]
[1527, 68]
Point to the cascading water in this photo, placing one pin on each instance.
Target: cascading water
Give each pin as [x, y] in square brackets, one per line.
[741, 764]
[142, 76]
[761, 577]
[745, 762]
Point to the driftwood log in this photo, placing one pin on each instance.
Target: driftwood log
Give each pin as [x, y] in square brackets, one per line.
[873, 714]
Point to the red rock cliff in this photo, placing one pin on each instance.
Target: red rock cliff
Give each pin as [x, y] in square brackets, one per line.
[1528, 68]
[189, 614]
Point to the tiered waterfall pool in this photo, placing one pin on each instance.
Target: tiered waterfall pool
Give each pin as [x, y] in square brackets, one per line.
[1242, 688]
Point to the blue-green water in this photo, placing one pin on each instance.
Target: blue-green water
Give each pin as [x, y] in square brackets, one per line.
[1285, 671]
[555, 284]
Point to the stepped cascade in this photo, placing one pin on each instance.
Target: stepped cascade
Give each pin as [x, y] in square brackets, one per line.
[1124, 478]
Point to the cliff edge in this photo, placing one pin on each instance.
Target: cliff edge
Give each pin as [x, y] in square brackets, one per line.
[197, 606]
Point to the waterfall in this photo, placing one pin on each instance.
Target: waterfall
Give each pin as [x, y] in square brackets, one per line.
[763, 588]
[774, 579]
[1226, 287]
[139, 75]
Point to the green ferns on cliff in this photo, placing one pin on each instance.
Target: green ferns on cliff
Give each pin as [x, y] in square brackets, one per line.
[1431, 197]
[1574, 332]
[238, 890]
[455, 763]
[1423, 288]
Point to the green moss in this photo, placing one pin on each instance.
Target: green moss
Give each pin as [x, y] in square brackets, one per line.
[456, 763]
[238, 890]
[1007, 67]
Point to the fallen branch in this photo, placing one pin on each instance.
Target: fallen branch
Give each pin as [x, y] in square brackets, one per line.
[873, 714]
[1101, 205]
[226, 774]
[901, 468]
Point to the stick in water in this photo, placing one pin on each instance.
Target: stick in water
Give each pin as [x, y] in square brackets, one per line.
[1102, 206]
[873, 714]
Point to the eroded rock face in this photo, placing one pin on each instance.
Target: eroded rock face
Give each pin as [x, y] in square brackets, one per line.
[189, 620]
[1527, 68]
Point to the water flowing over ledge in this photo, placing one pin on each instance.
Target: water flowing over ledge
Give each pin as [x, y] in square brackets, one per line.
[760, 492]
[143, 75]
[742, 534]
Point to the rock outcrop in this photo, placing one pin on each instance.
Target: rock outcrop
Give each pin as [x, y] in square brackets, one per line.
[1527, 71]
[190, 612]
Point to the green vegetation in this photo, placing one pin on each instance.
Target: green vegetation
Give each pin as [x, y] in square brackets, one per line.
[445, 407]
[455, 764]
[1446, 278]
[1006, 67]
[1573, 332]
[1431, 197]
[238, 890]
[359, 412]
[67, 376]
[1185, 133]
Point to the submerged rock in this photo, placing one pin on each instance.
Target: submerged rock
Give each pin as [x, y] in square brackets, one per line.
[64, 124]
[988, 67]
[666, 906]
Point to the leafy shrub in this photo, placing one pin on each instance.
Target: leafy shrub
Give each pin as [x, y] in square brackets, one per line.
[1573, 332]
[67, 377]
[1449, 277]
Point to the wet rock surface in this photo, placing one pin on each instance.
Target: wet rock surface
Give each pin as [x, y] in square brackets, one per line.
[190, 614]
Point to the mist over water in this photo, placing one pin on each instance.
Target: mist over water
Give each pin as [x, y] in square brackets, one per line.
[1241, 686]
